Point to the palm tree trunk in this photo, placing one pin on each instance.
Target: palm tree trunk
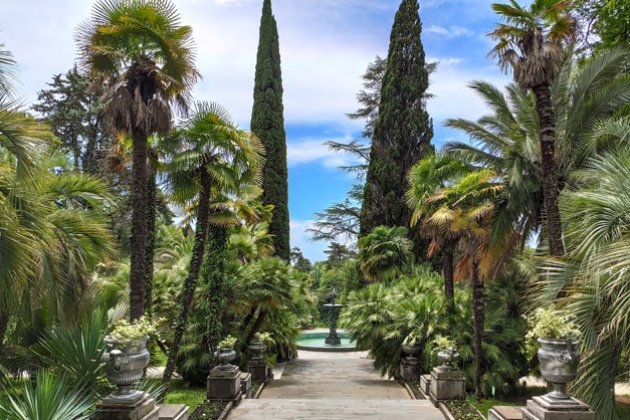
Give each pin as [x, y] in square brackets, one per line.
[138, 240]
[257, 325]
[549, 167]
[447, 267]
[150, 251]
[478, 320]
[214, 277]
[248, 319]
[190, 284]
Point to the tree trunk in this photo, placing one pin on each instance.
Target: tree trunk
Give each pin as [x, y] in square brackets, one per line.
[549, 167]
[214, 277]
[138, 240]
[478, 320]
[190, 284]
[257, 325]
[248, 319]
[150, 248]
[447, 267]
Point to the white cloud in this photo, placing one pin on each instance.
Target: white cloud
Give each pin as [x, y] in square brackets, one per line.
[450, 32]
[309, 151]
[300, 238]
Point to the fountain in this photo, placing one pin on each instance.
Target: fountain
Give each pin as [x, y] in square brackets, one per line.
[333, 341]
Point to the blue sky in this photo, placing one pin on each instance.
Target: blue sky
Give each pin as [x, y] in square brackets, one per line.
[325, 46]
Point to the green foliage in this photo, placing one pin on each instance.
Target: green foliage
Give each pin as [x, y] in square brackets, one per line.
[268, 124]
[74, 112]
[227, 343]
[49, 398]
[593, 274]
[74, 353]
[403, 131]
[381, 316]
[384, 253]
[551, 323]
[124, 333]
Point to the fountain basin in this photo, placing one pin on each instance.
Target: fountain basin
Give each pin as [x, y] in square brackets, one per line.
[316, 341]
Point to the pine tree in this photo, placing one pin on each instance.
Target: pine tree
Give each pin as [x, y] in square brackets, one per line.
[268, 124]
[403, 131]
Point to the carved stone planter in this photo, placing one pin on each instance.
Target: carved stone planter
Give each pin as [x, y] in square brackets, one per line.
[410, 364]
[558, 363]
[224, 381]
[447, 382]
[124, 367]
[257, 365]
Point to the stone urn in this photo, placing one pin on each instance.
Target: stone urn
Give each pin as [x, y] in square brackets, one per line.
[124, 366]
[226, 356]
[558, 364]
[258, 349]
[447, 358]
[412, 351]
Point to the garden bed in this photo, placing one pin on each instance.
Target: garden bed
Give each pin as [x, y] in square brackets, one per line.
[212, 410]
[462, 410]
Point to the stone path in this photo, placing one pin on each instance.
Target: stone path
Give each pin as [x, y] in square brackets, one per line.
[319, 386]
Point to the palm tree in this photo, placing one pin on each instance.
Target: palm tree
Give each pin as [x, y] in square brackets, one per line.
[209, 157]
[269, 288]
[506, 141]
[593, 273]
[139, 50]
[532, 43]
[384, 253]
[467, 207]
[425, 177]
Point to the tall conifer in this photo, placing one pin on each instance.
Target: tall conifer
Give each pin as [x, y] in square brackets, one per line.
[403, 131]
[268, 124]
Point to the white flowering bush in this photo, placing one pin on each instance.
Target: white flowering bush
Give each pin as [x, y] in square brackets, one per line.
[264, 338]
[443, 343]
[551, 323]
[228, 342]
[125, 332]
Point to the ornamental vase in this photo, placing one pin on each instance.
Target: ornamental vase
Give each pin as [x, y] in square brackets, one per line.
[125, 364]
[559, 361]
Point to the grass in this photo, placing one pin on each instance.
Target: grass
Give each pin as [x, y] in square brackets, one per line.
[485, 404]
[178, 394]
[623, 407]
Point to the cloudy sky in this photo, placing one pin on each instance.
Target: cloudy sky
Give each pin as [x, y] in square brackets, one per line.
[325, 46]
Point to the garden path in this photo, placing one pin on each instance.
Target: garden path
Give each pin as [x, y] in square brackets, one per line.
[334, 386]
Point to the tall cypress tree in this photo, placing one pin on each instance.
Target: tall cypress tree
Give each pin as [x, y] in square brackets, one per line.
[403, 131]
[268, 124]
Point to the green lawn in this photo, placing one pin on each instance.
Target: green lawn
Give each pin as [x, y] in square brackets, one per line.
[191, 397]
[623, 407]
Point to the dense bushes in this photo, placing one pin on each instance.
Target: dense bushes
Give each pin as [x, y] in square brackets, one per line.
[381, 316]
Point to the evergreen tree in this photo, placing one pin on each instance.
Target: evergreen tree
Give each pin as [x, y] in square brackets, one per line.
[268, 124]
[403, 131]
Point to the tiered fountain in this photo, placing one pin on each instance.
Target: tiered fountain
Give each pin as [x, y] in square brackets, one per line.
[332, 341]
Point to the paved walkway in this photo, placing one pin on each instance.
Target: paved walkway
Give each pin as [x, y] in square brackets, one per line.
[319, 386]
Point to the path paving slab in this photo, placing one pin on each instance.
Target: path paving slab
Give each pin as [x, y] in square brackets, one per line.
[324, 386]
[328, 409]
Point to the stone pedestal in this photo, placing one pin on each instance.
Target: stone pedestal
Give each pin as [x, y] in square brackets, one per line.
[260, 370]
[546, 408]
[505, 412]
[138, 407]
[224, 383]
[173, 412]
[246, 384]
[410, 369]
[447, 384]
[425, 384]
